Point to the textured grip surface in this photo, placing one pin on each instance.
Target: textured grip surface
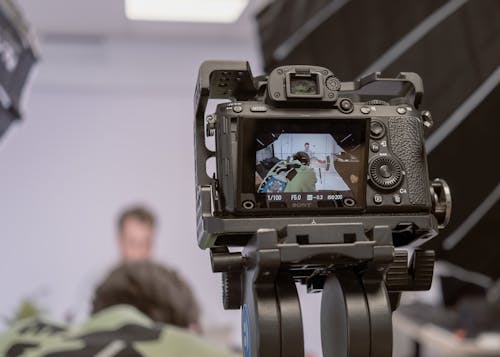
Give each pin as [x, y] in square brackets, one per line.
[408, 145]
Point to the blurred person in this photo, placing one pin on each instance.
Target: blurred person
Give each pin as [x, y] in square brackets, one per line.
[140, 309]
[136, 232]
[155, 290]
[135, 236]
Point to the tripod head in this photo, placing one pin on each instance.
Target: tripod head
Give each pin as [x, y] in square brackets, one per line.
[318, 182]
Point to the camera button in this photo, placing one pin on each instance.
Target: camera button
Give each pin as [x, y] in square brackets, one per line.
[385, 171]
[345, 105]
[396, 199]
[377, 129]
[401, 110]
[378, 199]
[237, 109]
[365, 110]
[374, 147]
[258, 108]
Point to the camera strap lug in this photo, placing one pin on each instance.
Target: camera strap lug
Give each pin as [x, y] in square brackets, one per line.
[210, 125]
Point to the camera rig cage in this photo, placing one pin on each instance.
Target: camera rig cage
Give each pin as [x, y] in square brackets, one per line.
[349, 246]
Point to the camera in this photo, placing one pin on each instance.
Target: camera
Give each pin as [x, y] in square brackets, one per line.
[301, 145]
[318, 182]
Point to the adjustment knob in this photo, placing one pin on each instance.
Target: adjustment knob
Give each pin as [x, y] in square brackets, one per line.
[385, 172]
[422, 269]
[377, 102]
[397, 277]
[441, 201]
[231, 290]
[333, 83]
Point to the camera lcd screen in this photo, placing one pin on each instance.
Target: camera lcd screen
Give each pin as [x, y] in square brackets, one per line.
[320, 165]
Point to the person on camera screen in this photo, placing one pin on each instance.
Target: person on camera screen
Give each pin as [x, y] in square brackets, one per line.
[287, 165]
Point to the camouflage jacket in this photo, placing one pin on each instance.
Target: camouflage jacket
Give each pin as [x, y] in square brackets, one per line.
[119, 331]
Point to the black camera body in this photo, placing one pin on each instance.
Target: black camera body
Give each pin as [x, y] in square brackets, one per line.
[317, 181]
[363, 141]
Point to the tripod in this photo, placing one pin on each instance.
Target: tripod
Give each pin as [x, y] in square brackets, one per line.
[361, 278]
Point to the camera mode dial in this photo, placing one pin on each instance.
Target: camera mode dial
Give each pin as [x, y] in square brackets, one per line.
[386, 172]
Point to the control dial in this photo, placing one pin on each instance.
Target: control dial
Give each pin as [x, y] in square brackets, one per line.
[377, 102]
[385, 172]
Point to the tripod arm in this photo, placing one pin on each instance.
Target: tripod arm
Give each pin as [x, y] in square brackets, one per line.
[271, 316]
[355, 317]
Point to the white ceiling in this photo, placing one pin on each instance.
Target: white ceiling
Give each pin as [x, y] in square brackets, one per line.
[60, 19]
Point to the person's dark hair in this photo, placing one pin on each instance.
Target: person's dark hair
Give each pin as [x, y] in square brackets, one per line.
[302, 157]
[153, 289]
[306, 144]
[140, 213]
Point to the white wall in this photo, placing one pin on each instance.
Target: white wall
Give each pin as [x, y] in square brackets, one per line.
[108, 123]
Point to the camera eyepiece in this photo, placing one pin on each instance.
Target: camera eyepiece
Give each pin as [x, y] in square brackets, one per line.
[302, 85]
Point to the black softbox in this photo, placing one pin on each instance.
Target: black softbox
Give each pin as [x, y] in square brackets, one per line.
[455, 46]
[17, 57]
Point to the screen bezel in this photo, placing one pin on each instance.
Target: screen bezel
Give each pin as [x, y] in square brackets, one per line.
[247, 131]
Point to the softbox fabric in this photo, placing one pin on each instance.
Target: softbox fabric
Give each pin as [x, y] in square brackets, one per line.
[17, 57]
[455, 46]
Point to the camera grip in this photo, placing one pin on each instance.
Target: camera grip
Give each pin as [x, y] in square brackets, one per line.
[406, 136]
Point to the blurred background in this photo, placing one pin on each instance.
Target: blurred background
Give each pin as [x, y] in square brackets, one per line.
[107, 123]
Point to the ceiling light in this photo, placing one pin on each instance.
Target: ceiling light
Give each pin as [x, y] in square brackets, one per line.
[222, 11]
